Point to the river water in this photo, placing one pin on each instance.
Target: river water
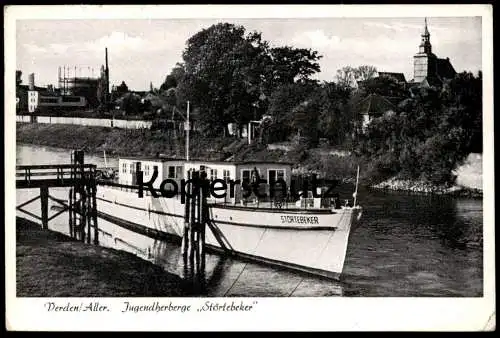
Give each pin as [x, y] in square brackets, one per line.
[405, 246]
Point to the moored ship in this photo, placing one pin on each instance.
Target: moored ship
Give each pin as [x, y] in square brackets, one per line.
[306, 230]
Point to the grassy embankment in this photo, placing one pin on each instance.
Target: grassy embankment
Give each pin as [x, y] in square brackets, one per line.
[49, 264]
[115, 141]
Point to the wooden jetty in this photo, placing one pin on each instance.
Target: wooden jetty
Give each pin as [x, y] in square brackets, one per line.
[81, 204]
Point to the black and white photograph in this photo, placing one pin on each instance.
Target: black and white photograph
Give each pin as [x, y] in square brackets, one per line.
[187, 166]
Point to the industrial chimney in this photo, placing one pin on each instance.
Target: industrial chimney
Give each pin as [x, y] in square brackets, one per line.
[31, 81]
[107, 74]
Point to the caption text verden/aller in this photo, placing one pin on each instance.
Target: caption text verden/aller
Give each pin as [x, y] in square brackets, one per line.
[155, 306]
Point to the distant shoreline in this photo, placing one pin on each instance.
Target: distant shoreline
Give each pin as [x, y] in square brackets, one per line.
[416, 187]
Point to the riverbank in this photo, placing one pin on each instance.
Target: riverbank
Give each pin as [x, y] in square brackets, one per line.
[119, 142]
[125, 142]
[50, 264]
[468, 183]
[419, 187]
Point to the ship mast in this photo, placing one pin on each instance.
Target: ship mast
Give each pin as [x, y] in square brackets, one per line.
[356, 191]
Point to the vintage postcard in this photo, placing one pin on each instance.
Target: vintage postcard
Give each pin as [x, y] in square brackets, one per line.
[244, 168]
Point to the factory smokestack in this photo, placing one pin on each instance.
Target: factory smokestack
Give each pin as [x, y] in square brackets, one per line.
[31, 81]
[107, 73]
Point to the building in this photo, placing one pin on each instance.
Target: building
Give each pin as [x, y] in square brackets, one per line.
[428, 69]
[71, 84]
[399, 78]
[31, 99]
[371, 107]
[27, 95]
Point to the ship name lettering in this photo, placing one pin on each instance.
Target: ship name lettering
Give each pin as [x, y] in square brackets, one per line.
[300, 219]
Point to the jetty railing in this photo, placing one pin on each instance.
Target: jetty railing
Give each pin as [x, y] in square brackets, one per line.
[81, 203]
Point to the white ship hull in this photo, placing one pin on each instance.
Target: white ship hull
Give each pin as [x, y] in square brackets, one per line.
[309, 240]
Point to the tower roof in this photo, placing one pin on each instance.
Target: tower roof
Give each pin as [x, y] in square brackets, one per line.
[426, 31]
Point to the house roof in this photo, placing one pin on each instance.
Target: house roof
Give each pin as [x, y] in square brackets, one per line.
[399, 77]
[432, 81]
[374, 104]
[444, 69]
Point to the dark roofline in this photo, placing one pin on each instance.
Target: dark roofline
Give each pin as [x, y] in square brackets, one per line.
[171, 159]
[397, 76]
[369, 97]
[238, 162]
[151, 158]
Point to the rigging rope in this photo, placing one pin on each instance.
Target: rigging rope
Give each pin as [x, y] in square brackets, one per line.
[245, 266]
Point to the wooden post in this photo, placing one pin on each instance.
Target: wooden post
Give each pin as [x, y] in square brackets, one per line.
[75, 206]
[203, 224]
[83, 213]
[185, 236]
[94, 212]
[88, 211]
[44, 201]
[70, 212]
[192, 216]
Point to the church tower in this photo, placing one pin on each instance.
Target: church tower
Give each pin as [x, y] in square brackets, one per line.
[424, 60]
[425, 46]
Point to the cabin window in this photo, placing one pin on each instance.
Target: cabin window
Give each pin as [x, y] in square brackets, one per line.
[146, 170]
[178, 172]
[213, 174]
[246, 174]
[175, 172]
[73, 99]
[276, 174]
[132, 169]
[171, 172]
[226, 175]
[48, 100]
[124, 168]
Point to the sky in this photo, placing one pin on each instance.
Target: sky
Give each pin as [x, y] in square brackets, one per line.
[141, 51]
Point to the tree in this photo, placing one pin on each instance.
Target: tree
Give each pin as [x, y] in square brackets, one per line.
[463, 97]
[289, 65]
[365, 72]
[345, 77]
[335, 120]
[131, 104]
[282, 103]
[305, 121]
[122, 88]
[170, 96]
[383, 86]
[432, 133]
[349, 76]
[229, 75]
[174, 78]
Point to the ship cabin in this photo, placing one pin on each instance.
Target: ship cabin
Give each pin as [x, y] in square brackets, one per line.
[167, 168]
[240, 175]
[234, 174]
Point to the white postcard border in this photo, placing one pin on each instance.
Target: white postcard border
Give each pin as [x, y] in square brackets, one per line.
[272, 314]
